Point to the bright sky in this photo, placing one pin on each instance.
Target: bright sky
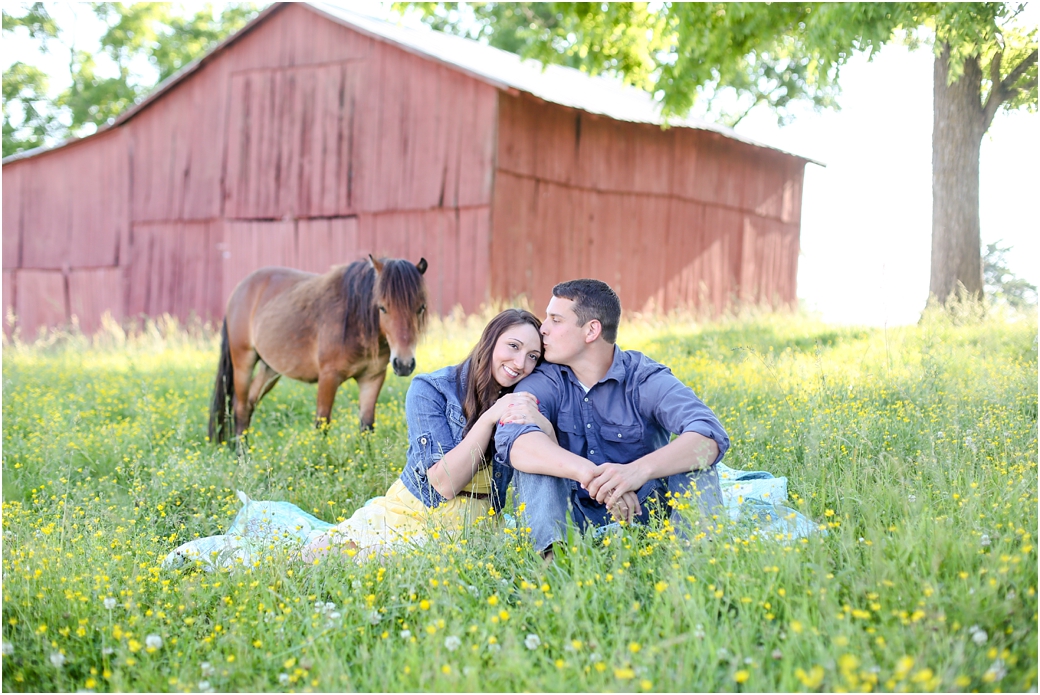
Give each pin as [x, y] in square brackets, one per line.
[866, 217]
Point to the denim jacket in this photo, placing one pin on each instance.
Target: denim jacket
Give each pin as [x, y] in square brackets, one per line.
[435, 425]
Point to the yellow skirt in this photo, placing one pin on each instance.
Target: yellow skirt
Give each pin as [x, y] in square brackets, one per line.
[398, 518]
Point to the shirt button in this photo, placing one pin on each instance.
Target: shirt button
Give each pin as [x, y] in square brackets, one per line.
[586, 400]
[619, 435]
[592, 451]
[422, 440]
[588, 426]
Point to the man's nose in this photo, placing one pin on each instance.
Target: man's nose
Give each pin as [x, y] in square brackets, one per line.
[544, 330]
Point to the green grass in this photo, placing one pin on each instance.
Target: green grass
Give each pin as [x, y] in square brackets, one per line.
[916, 446]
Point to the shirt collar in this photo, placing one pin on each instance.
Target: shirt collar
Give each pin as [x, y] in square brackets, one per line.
[616, 371]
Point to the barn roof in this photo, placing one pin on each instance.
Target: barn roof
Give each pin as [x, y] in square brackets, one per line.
[507, 71]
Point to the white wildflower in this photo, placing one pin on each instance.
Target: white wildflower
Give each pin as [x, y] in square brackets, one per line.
[979, 637]
[451, 643]
[108, 651]
[205, 687]
[207, 669]
[777, 654]
[532, 641]
[334, 615]
[374, 617]
[940, 434]
[109, 602]
[912, 498]
[984, 541]
[594, 657]
[7, 649]
[57, 659]
[494, 647]
[996, 671]
[1010, 596]
[970, 443]
[474, 591]
[405, 634]
[722, 653]
[698, 631]
[153, 642]
[283, 678]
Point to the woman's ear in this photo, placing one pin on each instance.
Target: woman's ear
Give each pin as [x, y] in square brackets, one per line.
[594, 331]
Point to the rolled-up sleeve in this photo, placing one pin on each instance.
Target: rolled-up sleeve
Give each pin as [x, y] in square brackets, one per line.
[677, 408]
[541, 387]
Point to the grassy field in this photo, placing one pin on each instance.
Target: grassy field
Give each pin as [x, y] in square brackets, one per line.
[916, 447]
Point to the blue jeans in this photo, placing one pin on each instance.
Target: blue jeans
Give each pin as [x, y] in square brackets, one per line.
[548, 501]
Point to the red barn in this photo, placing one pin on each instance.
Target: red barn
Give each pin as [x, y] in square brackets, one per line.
[314, 136]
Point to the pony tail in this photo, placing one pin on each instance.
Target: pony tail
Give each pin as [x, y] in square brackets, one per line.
[222, 407]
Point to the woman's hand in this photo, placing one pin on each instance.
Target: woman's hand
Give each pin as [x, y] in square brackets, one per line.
[511, 403]
[524, 411]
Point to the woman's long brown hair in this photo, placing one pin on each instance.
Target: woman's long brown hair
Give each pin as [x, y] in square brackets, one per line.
[481, 390]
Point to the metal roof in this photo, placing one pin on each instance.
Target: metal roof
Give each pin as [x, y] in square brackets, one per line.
[606, 96]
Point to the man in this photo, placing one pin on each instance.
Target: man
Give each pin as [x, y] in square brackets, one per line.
[613, 411]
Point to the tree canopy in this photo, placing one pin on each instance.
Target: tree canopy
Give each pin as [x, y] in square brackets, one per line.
[772, 54]
[775, 54]
[106, 83]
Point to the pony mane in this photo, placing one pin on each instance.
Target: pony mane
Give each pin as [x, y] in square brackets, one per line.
[362, 314]
[399, 284]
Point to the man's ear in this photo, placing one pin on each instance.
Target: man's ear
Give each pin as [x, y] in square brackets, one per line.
[593, 331]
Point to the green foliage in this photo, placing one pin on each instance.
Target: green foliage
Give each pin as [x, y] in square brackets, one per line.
[25, 104]
[1001, 283]
[137, 35]
[769, 53]
[916, 447]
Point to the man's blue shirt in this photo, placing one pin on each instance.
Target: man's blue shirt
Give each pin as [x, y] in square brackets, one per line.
[629, 413]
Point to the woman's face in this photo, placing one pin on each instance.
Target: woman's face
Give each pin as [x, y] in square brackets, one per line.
[516, 353]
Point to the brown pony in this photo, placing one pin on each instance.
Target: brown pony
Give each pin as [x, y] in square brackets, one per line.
[346, 324]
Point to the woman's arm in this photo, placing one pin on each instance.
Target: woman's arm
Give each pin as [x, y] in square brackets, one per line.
[458, 466]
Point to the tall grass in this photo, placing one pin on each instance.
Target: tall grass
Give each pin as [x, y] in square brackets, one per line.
[916, 447]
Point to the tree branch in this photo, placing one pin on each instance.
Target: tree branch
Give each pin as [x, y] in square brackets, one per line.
[1003, 89]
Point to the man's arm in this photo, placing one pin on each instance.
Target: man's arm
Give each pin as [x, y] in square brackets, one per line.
[689, 451]
[534, 452]
[701, 439]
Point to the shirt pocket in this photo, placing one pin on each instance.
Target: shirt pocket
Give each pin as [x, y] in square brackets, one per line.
[569, 433]
[456, 422]
[621, 443]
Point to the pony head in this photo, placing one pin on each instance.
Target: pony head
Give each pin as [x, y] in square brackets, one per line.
[400, 296]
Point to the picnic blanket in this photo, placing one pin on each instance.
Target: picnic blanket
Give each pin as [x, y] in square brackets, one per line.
[754, 500]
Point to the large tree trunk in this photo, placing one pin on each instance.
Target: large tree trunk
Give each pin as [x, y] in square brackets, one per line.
[959, 122]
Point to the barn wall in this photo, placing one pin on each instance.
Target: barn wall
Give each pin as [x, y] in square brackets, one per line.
[668, 218]
[65, 225]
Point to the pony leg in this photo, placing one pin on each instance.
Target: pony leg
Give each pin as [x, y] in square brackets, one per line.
[328, 382]
[368, 393]
[263, 381]
[243, 380]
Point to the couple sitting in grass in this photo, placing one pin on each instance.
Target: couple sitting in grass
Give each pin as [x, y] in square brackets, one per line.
[584, 433]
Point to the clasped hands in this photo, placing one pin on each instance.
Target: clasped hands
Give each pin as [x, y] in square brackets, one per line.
[616, 485]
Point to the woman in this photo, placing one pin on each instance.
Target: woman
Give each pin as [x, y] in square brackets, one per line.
[450, 477]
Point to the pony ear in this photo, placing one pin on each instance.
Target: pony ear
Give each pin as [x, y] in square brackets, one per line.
[377, 265]
[421, 266]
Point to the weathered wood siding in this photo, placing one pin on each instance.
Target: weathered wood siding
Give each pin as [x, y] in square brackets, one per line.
[66, 233]
[308, 144]
[668, 218]
[303, 144]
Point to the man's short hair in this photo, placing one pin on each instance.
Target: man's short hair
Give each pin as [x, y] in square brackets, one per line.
[593, 299]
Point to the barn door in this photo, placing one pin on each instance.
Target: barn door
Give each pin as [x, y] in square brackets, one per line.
[290, 142]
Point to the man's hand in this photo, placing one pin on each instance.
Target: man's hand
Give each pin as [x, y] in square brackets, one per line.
[626, 508]
[612, 480]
